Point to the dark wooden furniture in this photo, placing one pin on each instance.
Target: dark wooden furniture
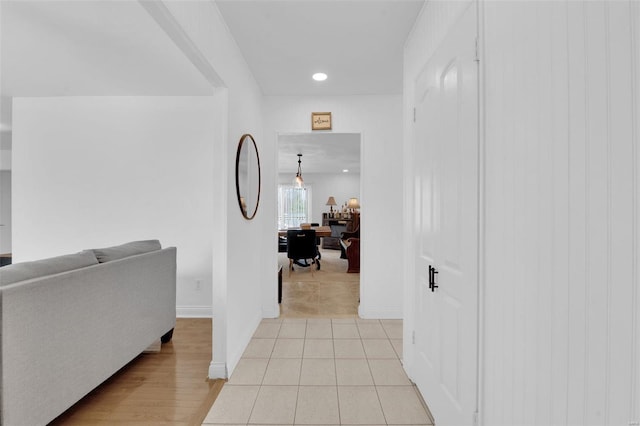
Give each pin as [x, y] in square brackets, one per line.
[344, 237]
[338, 226]
[352, 249]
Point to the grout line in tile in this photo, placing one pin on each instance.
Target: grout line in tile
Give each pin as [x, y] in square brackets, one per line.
[380, 402]
[255, 400]
[336, 374]
[338, 400]
[295, 409]
[376, 389]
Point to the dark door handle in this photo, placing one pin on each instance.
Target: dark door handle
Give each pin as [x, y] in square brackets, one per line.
[432, 278]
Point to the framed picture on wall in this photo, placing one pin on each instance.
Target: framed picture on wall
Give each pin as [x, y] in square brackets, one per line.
[320, 121]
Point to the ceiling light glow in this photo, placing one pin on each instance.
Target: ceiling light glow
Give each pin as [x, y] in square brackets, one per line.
[345, 170]
[319, 76]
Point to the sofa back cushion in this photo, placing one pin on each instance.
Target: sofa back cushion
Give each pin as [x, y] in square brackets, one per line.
[39, 268]
[125, 250]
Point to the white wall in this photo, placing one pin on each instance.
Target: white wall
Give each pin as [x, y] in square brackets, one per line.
[561, 288]
[242, 295]
[5, 211]
[341, 186]
[100, 171]
[5, 159]
[5, 190]
[560, 294]
[378, 119]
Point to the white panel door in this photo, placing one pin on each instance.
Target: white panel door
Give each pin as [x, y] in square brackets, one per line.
[446, 224]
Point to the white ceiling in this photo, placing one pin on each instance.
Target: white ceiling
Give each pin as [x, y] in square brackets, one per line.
[98, 47]
[321, 152]
[111, 47]
[358, 43]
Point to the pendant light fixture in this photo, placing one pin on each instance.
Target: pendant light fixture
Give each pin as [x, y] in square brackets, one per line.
[298, 181]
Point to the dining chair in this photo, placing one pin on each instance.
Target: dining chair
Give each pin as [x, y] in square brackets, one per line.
[301, 246]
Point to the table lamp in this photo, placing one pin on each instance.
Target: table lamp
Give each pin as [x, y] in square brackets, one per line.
[353, 204]
[331, 202]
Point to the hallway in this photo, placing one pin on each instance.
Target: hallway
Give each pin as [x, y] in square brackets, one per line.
[321, 371]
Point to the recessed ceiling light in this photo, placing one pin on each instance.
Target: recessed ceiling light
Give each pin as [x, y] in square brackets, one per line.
[319, 76]
[345, 170]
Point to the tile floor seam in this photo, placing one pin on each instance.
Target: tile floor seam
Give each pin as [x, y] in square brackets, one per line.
[295, 409]
[335, 368]
[386, 422]
[385, 331]
[304, 339]
[338, 401]
[265, 373]
[254, 404]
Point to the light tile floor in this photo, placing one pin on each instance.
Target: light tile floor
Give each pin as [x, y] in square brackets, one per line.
[321, 372]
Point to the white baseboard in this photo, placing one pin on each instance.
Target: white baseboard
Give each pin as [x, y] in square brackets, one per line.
[271, 313]
[379, 313]
[194, 311]
[217, 370]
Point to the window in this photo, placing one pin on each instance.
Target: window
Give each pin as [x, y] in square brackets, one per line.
[294, 206]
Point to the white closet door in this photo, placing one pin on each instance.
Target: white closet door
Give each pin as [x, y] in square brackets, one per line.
[446, 224]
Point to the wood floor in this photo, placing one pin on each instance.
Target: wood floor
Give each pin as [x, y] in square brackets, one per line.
[169, 387]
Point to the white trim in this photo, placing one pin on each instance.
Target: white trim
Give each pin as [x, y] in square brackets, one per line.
[408, 213]
[194, 311]
[165, 19]
[270, 306]
[271, 312]
[219, 237]
[635, 66]
[363, 230]
[217, 370]
[481, 249]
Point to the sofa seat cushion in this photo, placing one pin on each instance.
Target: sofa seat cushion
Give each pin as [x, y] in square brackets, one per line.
[39, 268]
[125, 250]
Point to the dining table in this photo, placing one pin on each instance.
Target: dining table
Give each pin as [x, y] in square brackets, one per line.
[321, 231]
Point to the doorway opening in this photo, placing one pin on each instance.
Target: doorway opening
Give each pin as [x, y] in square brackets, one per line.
[330, 169]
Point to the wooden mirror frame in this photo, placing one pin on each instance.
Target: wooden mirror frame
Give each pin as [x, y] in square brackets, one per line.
[243, 209]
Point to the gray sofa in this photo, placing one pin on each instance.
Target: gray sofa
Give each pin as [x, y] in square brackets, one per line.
[69, 323]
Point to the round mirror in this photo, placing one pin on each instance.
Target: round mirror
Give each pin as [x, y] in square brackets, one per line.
[248, 176]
